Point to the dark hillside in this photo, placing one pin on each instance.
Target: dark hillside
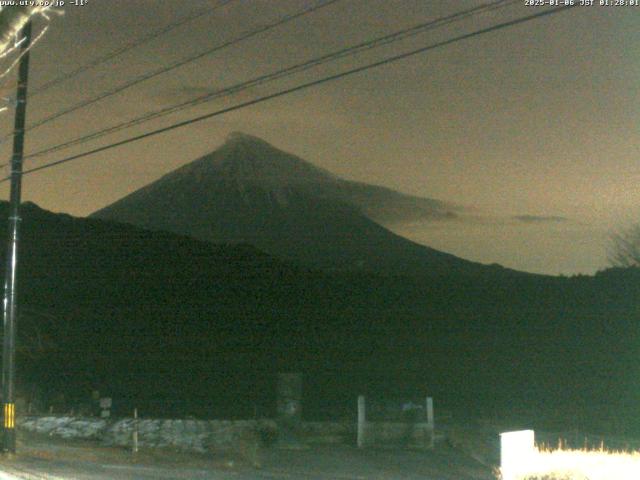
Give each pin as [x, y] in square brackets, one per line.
[176, 326]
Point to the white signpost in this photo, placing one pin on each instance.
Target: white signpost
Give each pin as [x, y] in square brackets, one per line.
[517, 452]
[105, 407]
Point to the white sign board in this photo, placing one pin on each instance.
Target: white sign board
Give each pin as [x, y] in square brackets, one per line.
[517, 452]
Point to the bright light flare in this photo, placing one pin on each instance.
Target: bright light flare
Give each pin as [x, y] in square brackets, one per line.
[12, 20]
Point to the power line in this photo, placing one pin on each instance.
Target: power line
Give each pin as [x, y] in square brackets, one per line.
[303, 86]
[173, 66]
[286, 72]
[130, 46]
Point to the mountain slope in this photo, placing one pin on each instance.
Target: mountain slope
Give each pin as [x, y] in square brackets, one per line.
[248, 191]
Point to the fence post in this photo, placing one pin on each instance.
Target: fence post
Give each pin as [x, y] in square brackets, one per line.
[431, 427]
[362, 420]
[135, 430]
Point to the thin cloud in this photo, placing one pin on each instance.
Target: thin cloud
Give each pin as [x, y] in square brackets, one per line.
[540, 218]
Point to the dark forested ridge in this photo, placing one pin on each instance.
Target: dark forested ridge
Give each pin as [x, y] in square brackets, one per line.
[176, 326]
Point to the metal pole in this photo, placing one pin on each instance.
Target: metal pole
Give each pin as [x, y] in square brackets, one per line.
[10, 305]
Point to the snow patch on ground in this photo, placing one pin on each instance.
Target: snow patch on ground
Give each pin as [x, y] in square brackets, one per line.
[191, 435]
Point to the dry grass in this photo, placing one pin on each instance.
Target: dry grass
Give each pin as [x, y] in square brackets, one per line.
[580, 465]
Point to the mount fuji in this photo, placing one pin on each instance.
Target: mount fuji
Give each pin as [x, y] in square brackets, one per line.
[248, 191]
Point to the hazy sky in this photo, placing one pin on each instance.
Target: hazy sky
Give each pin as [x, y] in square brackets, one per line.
[537, 120]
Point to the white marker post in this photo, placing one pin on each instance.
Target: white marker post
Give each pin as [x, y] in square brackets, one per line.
[135, 430]
[362, 420]
[517, 453]
[431, 427]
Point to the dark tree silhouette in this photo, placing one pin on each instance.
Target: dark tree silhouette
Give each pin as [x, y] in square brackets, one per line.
[625, 248]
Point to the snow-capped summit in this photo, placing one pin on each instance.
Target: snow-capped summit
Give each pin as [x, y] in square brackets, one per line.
[250, 191]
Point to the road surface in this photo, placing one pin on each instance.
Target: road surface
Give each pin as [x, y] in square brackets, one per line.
[55, 460]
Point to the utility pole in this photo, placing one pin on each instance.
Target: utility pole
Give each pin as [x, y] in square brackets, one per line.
[10, 294]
